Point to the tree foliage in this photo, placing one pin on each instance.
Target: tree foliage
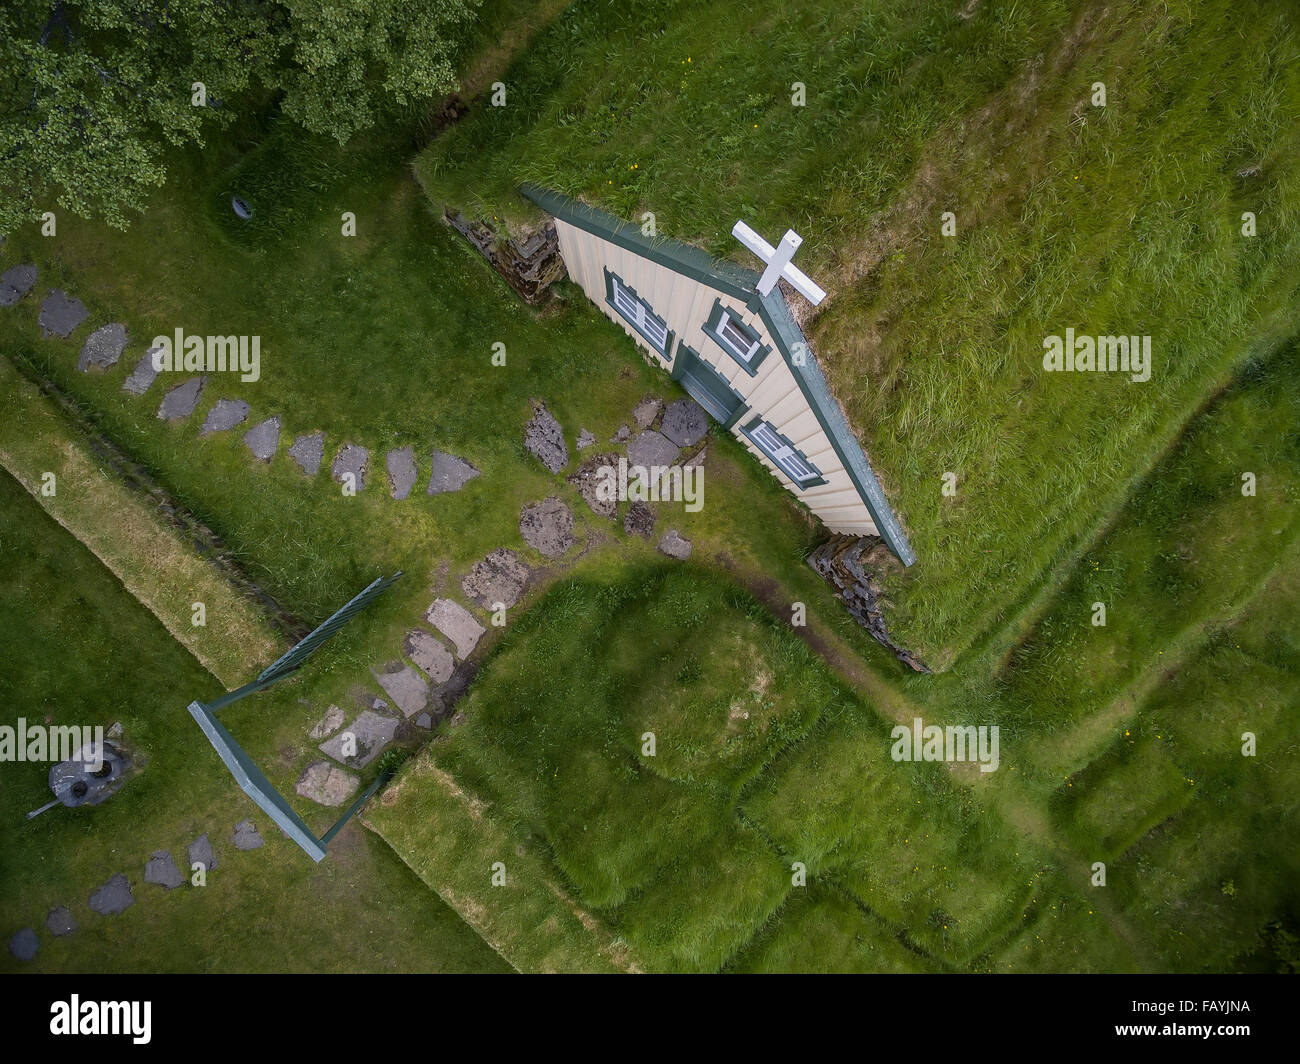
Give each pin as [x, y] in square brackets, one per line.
[95, 93]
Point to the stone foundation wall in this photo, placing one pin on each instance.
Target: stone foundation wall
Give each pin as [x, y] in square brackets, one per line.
[849, 565]
[529, 267]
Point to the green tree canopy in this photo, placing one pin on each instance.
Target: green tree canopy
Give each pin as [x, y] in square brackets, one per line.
[93, 93]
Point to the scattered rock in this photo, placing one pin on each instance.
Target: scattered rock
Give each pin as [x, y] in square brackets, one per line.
[499, 578]
[24, 944]
[103, 347]
[585, 440]
[424, 721]
[200, 852]
[246, 836]
[142, 376]
[380, 706]
[456, 622]
[114, 730]
[162, 870]
[449, 473]
[588, 479]
[369, 734]
[351, 459]
[651, 448]
[621, 435]
[113, 897]
[181, 400]
[15, 283]
[405, 686]
[328, 724]
[401, 471]
[429, 654]
[263, 439]
[327, 784]
[60, 921]
[225, 415]
[545, 439]
[685, 422]
[307, 451]
[675, 545]
[697, 459]
[60, 314]
[547, 527]
[639, 520]
[646, 411]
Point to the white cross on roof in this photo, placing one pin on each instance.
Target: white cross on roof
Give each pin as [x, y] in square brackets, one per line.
[777, 260]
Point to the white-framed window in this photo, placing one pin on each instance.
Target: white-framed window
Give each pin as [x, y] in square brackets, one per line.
[782, 452]
[742, 342]
[637, 313]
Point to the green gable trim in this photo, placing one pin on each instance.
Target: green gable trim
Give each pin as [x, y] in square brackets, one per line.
[741, 284]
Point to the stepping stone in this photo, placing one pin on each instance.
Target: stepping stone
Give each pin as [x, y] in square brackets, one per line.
[263, 439]
[307, 451]
[675, 545]
[351, 459]
[15, 283]
[547, 527]
[585, 440]
[588, 480]
[685, 422]
[639, 521]
[60, 921]
[24, 944]
[401, 472]
[545, 439]
[449, 473]
[499, 578]
[370, 732]
[113, 897]
[405, 686]
[200, 852]
[621, 435]
[103, 347]
[456, 622]
[650, 448]
[424, 721]
[246, 836]
[328, 724]
[327, 784]
[60, 314]
[181, 400]
[224, 416]
[142, 376]
[162, 870]
[429, 654]
[646, 411]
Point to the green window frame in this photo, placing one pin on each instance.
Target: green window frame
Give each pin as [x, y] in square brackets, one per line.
[742, 342]
[783, 454]
[638, 313]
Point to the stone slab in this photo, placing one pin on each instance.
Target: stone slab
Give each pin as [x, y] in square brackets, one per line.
[24, 944]
[456, 622]
[371, 733]
[651, 448]
[162, 870]
[401, 471]
[113, 897]
[181, 400]
[405, 686]
[427, 651]
[263, 439]
[225, 415]
[142, 376]
[328, 724]
[588, 479]
[499, 578]
[60, 921]
[16, 282]
[547, 527]
[545, 439]
[200, 852]
[646, 411]
[675, 545]
[245, 836]
[60, 314]
[103, 347]
[351, 459]
[449, 473]
[685, 422]
[327, 784]
[622, 435]
[585, 439]
[308, 450]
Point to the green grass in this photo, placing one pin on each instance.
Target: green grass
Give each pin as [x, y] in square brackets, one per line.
[80, 650]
